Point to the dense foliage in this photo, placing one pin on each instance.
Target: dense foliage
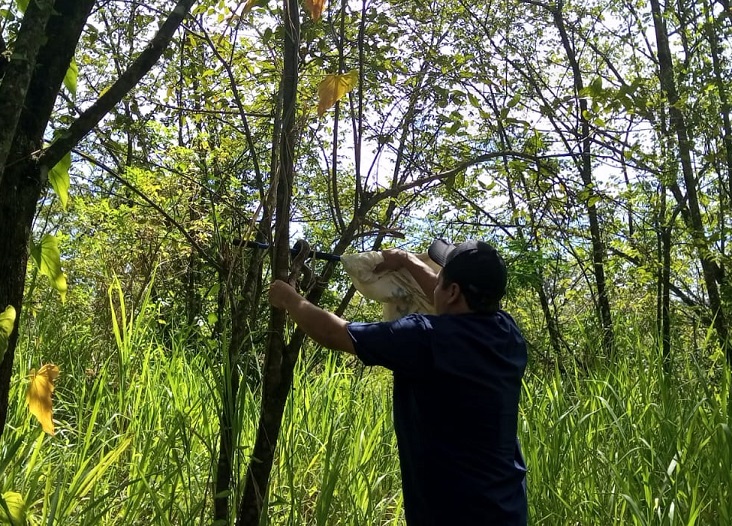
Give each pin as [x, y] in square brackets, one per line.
[624, 443]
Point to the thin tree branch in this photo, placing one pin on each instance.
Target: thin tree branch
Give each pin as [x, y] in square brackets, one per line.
[215, 264]
[201, 111]
[396, 190]
[4, 60]
[122, 86]
[238, 101]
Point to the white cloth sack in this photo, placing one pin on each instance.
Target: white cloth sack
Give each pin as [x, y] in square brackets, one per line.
[397, 291]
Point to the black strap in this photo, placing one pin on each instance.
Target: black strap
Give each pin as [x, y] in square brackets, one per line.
[314, 254]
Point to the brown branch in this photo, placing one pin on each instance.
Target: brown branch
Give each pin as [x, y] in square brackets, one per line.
[280, 358]
[475, 206]
[201, 111]
[122, 86]
[688, 300]
[543, 5]
[396, 190]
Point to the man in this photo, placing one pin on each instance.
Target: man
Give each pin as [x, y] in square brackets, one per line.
[457, 381]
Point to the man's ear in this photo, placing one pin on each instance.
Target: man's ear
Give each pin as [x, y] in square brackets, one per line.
[453, 293]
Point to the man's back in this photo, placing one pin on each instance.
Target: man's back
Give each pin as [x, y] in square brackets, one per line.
[457, 381]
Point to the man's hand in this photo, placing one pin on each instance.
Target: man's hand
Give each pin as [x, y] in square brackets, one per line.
[394, 259]
[281, 294]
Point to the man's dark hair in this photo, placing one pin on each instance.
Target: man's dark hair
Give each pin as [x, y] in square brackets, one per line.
[477, 268]
[477, 303]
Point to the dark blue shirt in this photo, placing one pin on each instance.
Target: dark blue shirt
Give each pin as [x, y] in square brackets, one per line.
[457, 381]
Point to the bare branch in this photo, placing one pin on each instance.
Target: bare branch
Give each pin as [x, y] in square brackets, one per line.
[396, 190]
[109, 99]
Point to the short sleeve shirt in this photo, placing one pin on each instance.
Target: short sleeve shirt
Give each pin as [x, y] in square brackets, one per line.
[457, 382]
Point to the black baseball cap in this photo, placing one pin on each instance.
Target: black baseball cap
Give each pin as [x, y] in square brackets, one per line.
[474, 265]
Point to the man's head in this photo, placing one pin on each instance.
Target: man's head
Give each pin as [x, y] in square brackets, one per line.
[476, 268]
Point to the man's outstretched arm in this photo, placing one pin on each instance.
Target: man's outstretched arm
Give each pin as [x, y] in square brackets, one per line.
[325, 328]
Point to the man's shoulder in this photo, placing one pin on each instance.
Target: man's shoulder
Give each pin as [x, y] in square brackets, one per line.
[416, 319]
[401, 345]
[497, 332]
[500, 320]
[392, 330]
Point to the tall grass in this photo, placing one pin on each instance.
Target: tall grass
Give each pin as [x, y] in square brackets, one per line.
[625, 443]
[630, 444]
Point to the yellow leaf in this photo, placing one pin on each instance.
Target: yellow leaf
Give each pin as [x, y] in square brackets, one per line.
[333, 87]
[315, 8]
[12, 509]
[39, 393]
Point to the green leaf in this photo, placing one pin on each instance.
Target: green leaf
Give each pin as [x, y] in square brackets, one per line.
[12, 509]
[22, 5]
[515, 100]
[58, 176]
[7, 322]
[456, 181]
[596, 86]
[214, 291]
[454, 128]
[72, 75]
[48, 258]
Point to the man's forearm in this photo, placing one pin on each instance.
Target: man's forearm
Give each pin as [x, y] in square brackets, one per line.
[325, 328]
[422, 274]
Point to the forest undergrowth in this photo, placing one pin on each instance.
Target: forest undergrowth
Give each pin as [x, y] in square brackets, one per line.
[627, 442]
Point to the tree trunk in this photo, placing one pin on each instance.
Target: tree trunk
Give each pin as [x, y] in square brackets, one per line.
[663, 226]
[19, 73]
[710, 270]
[666, 296]
[24, 175]
[18, 196]
[279, 363]
[243, 306]
[23, 180]
[228, 430]
[585, 169]
[712, 31]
